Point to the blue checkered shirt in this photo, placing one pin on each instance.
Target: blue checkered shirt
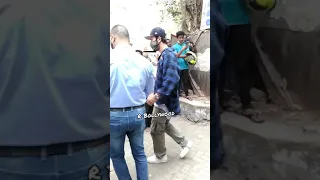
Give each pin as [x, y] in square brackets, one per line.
[167, 81]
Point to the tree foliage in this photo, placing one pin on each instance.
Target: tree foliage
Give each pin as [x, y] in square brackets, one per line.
[171, 9]
[185, 13]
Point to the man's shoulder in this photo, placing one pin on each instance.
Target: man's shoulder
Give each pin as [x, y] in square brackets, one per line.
[169, 52]
[142, 62]
[169, 55]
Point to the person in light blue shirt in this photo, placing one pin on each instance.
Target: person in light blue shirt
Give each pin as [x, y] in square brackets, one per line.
[181, 49]
[54, 103]
[131, 82]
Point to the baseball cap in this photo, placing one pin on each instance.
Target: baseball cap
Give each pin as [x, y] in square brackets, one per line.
[158, 31]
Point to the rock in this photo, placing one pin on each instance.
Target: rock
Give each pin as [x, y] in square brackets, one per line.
[196, 110]
[257, 95]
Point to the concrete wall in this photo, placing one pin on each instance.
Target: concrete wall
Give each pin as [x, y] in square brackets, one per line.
[296, 55]
[298, 15]
[291, 38]
[201, 71]
[270, 151]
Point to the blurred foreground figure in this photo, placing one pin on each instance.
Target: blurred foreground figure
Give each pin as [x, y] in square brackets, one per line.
[217, 41]
[54, 113]
[240, 60]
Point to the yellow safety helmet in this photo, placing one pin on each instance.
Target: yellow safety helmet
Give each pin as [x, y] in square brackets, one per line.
[262, 5]
[191, 58]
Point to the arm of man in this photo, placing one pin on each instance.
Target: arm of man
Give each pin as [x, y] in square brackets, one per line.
[150, 80]
[171, 76]
[186, 50]
[177, 52]
[178, 55]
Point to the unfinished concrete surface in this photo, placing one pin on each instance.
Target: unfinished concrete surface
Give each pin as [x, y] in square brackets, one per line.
[296, 57]
[196, 110]
[270, 151]
[289, 36]
[298, 15]
[202, 78]
[201, 71]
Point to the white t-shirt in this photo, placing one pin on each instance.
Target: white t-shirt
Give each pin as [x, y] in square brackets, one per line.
[155, 71]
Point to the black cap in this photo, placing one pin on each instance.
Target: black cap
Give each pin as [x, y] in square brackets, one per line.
[158, 31]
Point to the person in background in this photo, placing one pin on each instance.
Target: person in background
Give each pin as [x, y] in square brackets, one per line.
[181, 49]
[165, 99]
[192, 46]
[54, 100]
[240, 55]
[131, 80]
[169, 44]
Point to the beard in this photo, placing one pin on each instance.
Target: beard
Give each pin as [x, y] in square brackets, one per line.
[155, 46]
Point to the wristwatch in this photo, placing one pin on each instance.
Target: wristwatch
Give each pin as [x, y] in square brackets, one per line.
[156, 96]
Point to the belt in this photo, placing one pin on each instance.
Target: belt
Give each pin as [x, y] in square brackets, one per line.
[51, 150]
[127, 108]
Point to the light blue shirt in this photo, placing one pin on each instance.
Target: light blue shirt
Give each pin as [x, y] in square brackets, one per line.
[234, 11]
[53, 72]
[182, 63]
[131, 77]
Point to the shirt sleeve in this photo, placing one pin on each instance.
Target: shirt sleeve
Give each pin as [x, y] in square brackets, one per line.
[170, 74]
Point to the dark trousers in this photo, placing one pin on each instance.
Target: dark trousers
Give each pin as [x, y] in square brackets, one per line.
[240, 55]
[149, 110]
[185, 81]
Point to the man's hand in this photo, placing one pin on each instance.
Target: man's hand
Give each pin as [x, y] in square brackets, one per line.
[151, 99]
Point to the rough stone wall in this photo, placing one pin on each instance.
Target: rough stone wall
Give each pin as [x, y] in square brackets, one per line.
[296, 56]
[298, 15]
[289, 36]
[201, 71]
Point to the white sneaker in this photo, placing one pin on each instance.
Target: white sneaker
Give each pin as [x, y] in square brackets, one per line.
[186, 149]
[154, 160]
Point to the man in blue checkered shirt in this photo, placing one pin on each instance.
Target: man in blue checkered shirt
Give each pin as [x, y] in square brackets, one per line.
[165, 99]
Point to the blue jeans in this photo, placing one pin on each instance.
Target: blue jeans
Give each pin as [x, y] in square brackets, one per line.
[89, 164]
[122, 124]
